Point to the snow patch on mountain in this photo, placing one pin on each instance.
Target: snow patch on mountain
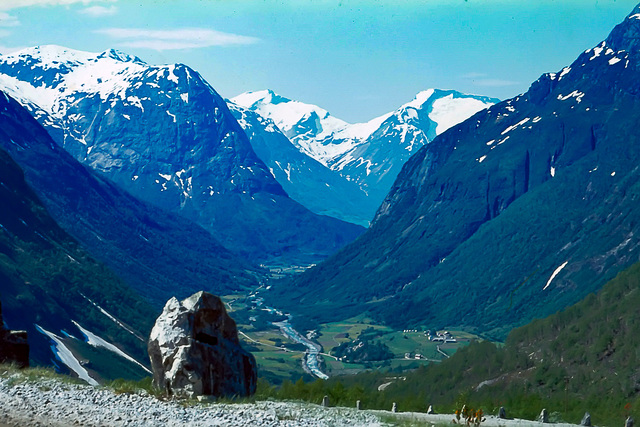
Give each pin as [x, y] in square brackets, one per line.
[23, 91]
[95, 341]
[555, 273]
[449, 111]
[64, 355]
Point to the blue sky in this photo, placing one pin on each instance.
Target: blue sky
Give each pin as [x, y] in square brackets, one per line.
[357, 59]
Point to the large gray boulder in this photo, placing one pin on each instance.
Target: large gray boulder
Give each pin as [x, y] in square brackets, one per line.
[14, 347]
[194, 350]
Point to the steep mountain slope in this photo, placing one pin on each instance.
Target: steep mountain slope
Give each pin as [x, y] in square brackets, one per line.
[306, 180]
[159, 254]
[164, 134]
[515, 213]
[48, 280]
[582, 359]
[367, 155]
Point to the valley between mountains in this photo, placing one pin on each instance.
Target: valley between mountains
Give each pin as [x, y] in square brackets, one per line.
[74, 153]
[459, 250]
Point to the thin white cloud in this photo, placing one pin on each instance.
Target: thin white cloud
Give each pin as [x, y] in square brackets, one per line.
[185, 38]
[7, 20]
[16, 4]
[99, 11]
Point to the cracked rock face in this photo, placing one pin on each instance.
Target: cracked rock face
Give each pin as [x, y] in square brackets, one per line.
[194, 350]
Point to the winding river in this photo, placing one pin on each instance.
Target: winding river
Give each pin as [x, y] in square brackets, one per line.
[311, 363]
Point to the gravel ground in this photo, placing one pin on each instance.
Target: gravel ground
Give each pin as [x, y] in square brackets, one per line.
[54, 403]
[51, 402]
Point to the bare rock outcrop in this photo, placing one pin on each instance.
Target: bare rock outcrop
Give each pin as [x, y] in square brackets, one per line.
[194, 350]
[14, 347]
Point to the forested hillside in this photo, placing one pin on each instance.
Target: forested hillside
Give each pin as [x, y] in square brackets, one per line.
[582, 359]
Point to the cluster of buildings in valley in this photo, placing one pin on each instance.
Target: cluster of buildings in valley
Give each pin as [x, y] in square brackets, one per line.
[416, 356]
[436, 337]
[441, 336]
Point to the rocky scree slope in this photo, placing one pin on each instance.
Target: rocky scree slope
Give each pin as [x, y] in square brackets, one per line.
[47, 279]
[166, 136]
[159, 254]
[366, 157]
[517, 212]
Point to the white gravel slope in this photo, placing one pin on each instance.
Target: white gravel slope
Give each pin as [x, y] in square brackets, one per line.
[52, 403]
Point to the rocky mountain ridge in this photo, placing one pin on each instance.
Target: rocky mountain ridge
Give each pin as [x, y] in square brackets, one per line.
[157, 253]
[166, 136]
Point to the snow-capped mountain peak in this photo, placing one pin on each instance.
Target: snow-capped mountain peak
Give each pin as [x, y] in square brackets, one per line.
[293, 118]
[447, 108]
[79, 96]
[420, 98]
[119, 56]
[166, 136]
[52, 77]
[328, 139]
[49, 56]
[368, 154]
[254, 99]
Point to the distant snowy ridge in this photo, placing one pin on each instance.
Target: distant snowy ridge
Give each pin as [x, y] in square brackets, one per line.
[326, 138]
[165, 135]
[304, 124]
[368, 156]
[305, 180]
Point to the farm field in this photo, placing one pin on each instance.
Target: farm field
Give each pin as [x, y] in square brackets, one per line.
[280, 358]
